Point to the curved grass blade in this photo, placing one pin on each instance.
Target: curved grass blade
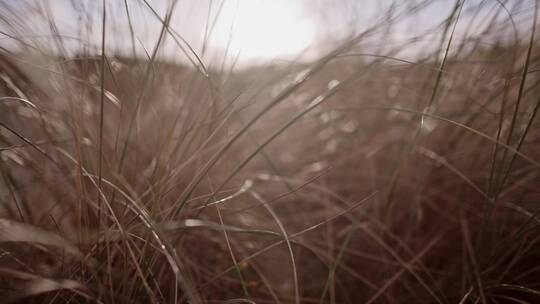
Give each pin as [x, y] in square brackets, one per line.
[13, 231]
[36, 285]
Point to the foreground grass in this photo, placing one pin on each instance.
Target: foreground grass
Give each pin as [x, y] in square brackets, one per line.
[357, 178]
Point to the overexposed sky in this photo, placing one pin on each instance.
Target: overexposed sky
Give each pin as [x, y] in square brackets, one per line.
[246, 31]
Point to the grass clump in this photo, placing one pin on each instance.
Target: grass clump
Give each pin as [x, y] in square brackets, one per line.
[363, 176]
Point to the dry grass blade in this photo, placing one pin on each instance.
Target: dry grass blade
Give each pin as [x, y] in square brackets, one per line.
[472, 258]
[404, 264]
[25, 102]
[336, 264]
[101, 109]
[35, 285]
[316, 102]
[27, 141]
[398, 274]
[297, 234]
[287, 242]
[174, 226]
[529, 159]
[233, 256]
[515, 288]
[289, 90]
[196, 223]
[13, 231]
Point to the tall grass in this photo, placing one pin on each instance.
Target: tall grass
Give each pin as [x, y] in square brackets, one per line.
[363, 176]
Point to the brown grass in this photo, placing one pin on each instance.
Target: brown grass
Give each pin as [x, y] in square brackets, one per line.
[356, 178]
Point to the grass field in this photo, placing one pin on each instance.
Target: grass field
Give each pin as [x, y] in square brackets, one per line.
[361, 176]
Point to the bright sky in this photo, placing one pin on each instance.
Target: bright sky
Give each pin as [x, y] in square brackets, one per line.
[263, 29]
[255, 31]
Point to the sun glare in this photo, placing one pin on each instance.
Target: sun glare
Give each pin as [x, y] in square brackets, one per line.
[262, 30]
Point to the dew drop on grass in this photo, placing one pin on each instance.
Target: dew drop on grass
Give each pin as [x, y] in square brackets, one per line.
[246, 186]
[112, 98]
[264, 176]
[394, 113]
[300, 76]
[350, 126]
[316, 101]
[86, 141]
[332, 84]
[427, 124]
[325, 117]
[332, 145]
[317, 166]
[116, 65]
